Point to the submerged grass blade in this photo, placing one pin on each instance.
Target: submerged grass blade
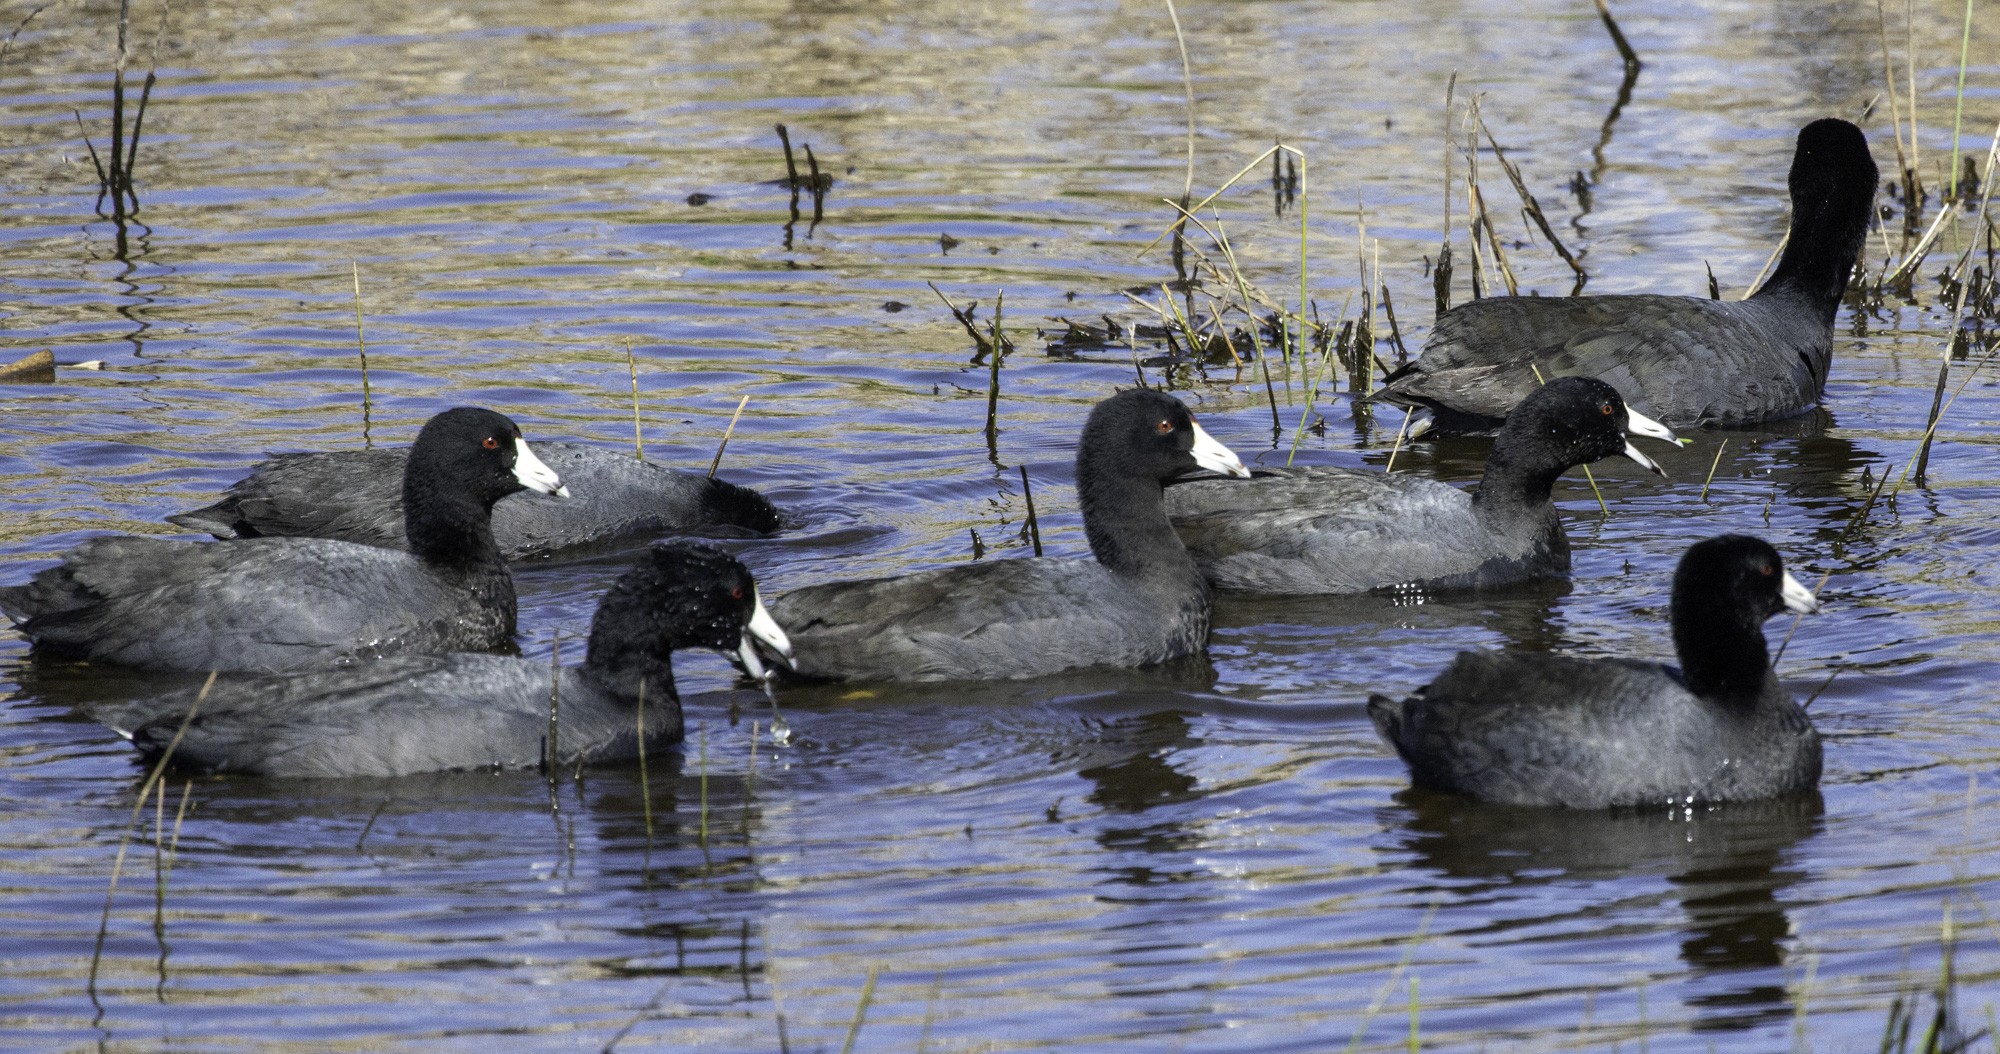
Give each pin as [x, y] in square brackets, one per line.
[861, 1010]
[645, 787]
[1389, 987]
[146, 789]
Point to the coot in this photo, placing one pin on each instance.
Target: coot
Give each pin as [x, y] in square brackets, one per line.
[1524, 728]
[426, 713]
[1685, 361]
[353, 495]
[1338, 530]
[1141, 601]
[287, 603]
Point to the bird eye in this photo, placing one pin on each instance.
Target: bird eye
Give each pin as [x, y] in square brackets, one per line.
[736, 593]
[1164, 427]
[1604, 408]
[1766, 570]
[490, 443]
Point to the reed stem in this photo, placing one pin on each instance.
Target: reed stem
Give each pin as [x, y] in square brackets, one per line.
[730, 431]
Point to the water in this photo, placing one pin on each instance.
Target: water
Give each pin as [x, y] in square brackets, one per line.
[1139, 862]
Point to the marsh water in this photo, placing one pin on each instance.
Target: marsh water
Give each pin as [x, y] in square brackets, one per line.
[1222, 858]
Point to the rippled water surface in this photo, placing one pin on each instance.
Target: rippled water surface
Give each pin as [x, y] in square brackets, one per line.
[1155, 861]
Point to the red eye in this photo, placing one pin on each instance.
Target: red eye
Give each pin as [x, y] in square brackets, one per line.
[1164, 427]
[736, 593]
[1766, 570]
[1604, 408]
[490, 443]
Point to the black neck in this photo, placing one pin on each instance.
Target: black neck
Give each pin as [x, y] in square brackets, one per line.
[1722, 651]
[1126, 522]
[1515, 487]
[1828, 228]
[621, 671]
[443, 528]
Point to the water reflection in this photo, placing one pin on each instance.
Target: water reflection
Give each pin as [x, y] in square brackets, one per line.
[1144, 779]
[1729, 867]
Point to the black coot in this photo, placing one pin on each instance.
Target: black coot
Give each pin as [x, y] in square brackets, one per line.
[1523, 728]
[1685, 361]
[1337, 530]
[1141, 601]
[352, 495]
[288, 603]
[426, 713]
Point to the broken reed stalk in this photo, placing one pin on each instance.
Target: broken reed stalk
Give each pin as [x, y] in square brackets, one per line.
[8, 44]
[1187, 91]
[1221, 238]
[1034, 527]
[1401, 431]
[1915, 257]
[993, 380]
[861, 1009]
[1957, 313]
[1472, 208]
[1493, 240]
[1441, 274]
[726, 433]
[1861, 515]
[1896, 117]
[1528, 202]
[1389, 310]
[1958, 115]
[1618, 40]
[1312, 388]
[981, 347]
[124, 841]
[638, 438]
[1711, 470]
[1359, 373]
[1180, 319]
[1305, 205]
[115, 179]
[361, 343]
[1376, 283]
[791, 166]
[819, 185]
[1185, 212]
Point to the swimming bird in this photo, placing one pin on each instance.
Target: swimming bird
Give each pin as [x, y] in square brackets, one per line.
[1141, 601]
[286, 603]
[1682, 360]
[354, 496]
[428, 713]
[1524, 728]
[1341, 530]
